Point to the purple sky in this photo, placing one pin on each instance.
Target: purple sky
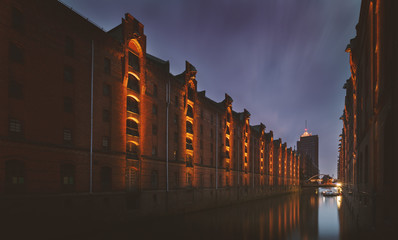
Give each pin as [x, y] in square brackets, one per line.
[282, 60]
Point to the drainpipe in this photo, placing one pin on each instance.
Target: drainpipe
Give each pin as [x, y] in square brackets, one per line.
[167, 134]
[91, 116]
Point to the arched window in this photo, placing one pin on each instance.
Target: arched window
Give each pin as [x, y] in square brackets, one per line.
[190, 111]
[228, 117]
[132, 105]
[106, 178]
[132, 127]
[227, 142]
[189, 160]
[189, 127]
[133, 83]
[67, 174]
[228, 130]
[134, 61]
[190, 93]
[15, 176]
[189, 144]
[154, 179]
[132, 150]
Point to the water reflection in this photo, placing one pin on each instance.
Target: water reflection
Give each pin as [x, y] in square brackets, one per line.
[307, 215]
[328, 223]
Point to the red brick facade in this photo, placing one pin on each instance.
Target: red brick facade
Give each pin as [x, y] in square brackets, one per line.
[64, 80]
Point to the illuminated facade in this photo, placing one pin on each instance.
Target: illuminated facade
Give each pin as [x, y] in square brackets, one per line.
[100, 114]
[367, 161]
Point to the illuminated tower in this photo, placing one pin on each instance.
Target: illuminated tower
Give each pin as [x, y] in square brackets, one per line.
[308, 145]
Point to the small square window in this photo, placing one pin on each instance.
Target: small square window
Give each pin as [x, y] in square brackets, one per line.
[105, 143]
[155, 90]
[67, 135]
[106, 90]
[154, 109]
[17, 19]
[154, 151]
[107, 65]
[15, 126]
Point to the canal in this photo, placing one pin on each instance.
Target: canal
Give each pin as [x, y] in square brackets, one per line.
[304, 215]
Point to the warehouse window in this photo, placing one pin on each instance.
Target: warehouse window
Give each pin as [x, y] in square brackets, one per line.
[18, 22]
[106, 90]
[67, 136]
[154, 109]
[132, 150]
[190, 111]
[15, 126]
[133, 83]
[132, 105]
[67, 177]
[189, 144]
[190, 93]
[155, 90]
[134, 61]
[132, 127]
[189, 127]
[105, 143]
[15, 176]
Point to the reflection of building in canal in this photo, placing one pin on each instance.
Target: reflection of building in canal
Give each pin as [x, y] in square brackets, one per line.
[309, 214]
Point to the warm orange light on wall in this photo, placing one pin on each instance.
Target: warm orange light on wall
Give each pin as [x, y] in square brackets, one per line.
[134, 119]
[135, 97]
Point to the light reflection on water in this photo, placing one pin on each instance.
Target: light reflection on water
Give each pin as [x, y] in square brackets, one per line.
[305, 215]
[328, 219]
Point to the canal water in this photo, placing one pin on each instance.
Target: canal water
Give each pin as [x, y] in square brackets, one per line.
[305, 215]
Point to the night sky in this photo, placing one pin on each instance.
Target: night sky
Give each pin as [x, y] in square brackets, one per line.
[282, 60]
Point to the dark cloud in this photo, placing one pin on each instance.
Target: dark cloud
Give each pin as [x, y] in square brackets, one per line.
[282, 60]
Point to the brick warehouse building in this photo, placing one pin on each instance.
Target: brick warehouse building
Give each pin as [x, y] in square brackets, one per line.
[367, 161]
[88, 111]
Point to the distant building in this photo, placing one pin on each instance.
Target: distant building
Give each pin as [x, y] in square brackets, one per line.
[308, 145]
